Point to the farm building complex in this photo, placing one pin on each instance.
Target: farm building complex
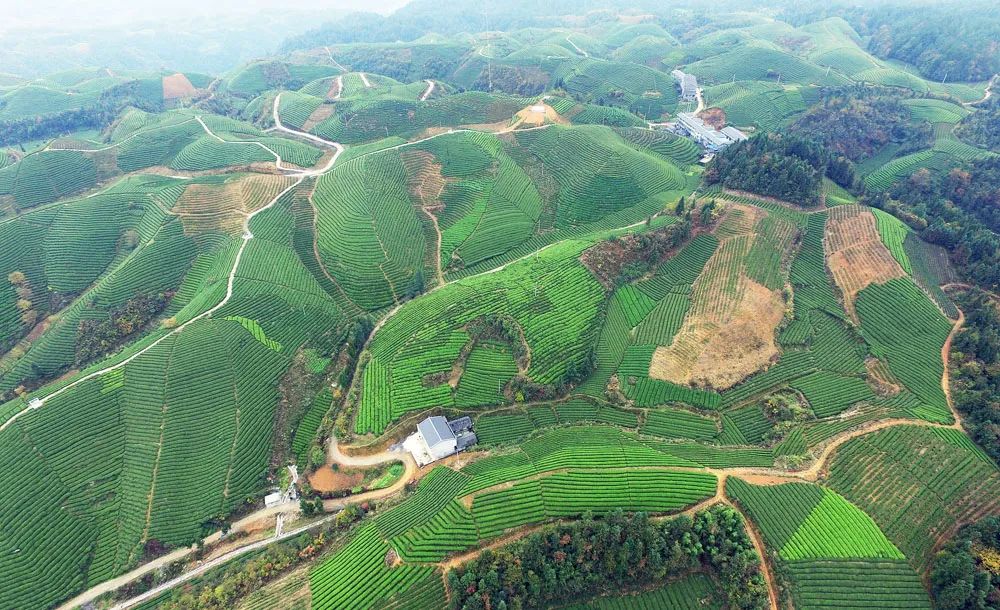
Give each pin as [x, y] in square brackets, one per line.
[437, 438]
[701, 132]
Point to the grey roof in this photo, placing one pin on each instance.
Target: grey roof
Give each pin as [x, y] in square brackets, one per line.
[460, 424]
[434, 430]
[466, 439]
[688, 83]
[734, 134]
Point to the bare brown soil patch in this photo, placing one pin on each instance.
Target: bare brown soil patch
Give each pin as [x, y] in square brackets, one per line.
[335, 87]
[539, 114]
[855, 253]
[716, 117]
[322, 113]
[327, 479]
[535, 115]
[177, 86]
[729, 332]
[880, 378]
[223, 207]
[768, 479]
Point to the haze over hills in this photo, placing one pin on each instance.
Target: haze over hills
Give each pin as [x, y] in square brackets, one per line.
[437, 308]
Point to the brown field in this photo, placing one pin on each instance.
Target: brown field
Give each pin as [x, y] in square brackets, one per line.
[423, 177]
[322, 113]
[334, 91]
[539, 114]
[326, 479]
[716, 117]
[222, 207]
[880, 378]
[177, 86]
[729, 332]
[855, 253]
[531, 116]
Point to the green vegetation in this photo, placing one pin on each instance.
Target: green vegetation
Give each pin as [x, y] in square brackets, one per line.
[906, 330]
[182, 317]
[974, 355]
[689, 593]
[714, 540]
[910, 458]
[964, 571]
[785, 167]
[828, 549]
[426, 338]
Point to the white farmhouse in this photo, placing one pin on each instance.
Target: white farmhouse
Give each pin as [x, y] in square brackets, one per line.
[437, 438]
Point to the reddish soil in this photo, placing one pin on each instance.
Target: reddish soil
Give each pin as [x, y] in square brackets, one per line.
[177, 86]
[322, 113]
[716, 117]
[325, 479]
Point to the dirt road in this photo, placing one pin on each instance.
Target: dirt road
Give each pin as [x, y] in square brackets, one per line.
[429, 91]
[986, 94]
[765, 564]
[578, 49]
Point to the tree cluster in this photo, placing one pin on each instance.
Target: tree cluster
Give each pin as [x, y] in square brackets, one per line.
[982, 127]
[959, 210]
[222, 589]
[620, 552]
[783, 166]
[976, 383]
[966, 572]
[519, 80]
[857, 121]
[501, 328]
[945, 41]
[98, 115]
[96, 337]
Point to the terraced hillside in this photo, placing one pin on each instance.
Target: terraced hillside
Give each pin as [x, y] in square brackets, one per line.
[257, 286]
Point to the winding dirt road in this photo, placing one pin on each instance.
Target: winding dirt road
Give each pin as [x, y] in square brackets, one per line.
[986, 94]
[578, 49]
[429, 91]
[40, 401]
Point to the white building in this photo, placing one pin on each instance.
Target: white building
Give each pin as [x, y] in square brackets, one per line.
[733, 134]
[272, 499]
[437, 438]
[688, 84]
[709, 137]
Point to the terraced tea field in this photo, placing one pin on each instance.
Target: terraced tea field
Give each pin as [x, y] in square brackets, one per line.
[305, 256]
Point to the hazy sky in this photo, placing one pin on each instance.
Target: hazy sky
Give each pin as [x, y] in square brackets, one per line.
[87, 14]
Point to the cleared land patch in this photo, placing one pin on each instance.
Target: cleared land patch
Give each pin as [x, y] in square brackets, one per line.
[222, 206]
[322, 113]
[728, 333]
[177, 86]
[856, 254]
